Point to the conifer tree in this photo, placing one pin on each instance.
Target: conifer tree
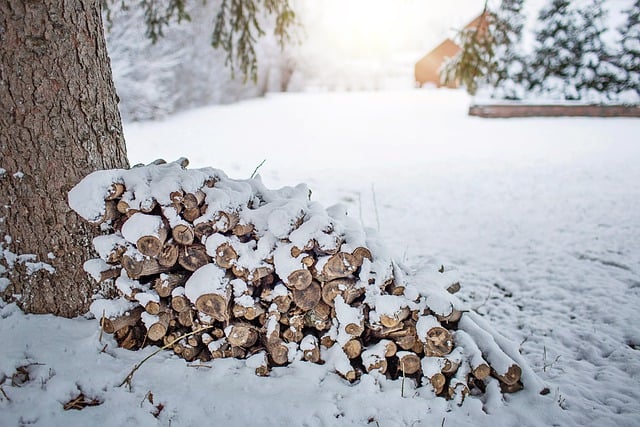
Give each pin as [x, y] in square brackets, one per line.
[629, 59]
[558, 51]
[508, 65]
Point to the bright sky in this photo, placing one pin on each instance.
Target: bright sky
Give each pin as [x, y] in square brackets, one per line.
[366, 29]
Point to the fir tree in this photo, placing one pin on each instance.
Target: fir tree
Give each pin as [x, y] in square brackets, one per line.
[558, 50]
[506, 73]
[629, 59]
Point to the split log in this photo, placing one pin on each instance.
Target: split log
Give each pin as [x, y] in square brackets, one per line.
[437, 340]
[193, 257]
[308, 297]
[294, 332]
[319, 317]
[408, 362]
[168, 256]
[183, 234]
[241, 335]
[111, 326]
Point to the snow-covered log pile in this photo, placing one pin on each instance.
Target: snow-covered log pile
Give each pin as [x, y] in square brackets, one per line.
[239, 270]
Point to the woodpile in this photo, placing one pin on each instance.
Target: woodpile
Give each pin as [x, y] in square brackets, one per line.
[272, 277]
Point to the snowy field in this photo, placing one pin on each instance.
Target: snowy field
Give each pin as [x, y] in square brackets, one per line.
[539, 218]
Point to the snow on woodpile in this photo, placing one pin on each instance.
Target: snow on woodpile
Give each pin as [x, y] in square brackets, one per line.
[214, 267]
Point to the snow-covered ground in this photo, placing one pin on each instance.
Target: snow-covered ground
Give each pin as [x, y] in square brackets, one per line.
[538, 217]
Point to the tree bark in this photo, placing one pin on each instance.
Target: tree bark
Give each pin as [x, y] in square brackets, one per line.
[59, 121]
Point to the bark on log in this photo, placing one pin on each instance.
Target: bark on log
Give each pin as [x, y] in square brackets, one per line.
[139, 268]
[111, 326]
[166, 283]
[160, 328]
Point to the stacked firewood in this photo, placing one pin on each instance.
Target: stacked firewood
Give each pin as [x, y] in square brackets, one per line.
[213, 267]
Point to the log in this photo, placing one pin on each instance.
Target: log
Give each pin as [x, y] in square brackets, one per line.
[375, 357]
[226, 255]
[167, 282]
[111, 213]
[152, 245]
[168, 256]
[276, 348]
[176, 197]
[352, 348]
[227, 221]
[408, 362]
[360, 253]
[345, 287]
[453, 288]
[193, 200]
[193, 257]
[215, 305]
[479, 367]
[437, 340]
[115, 191]
[242, 229]
[132, 317]
[242, 335]
[337, 266]
[308, 297]
[502, 366]
[191, 215]
[179, 302]
[159, 329]
[431, 371]
[299, 279]
[310, 349]
[395, 319]
[183, 234]
[137, 268]
[203, 230]
[186, 317]
[111, 273]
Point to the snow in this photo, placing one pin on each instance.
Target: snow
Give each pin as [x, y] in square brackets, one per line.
[140, 225]
[208, 279]
[537, 219]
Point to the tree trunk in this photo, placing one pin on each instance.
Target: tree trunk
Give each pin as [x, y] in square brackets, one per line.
[59, 121]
